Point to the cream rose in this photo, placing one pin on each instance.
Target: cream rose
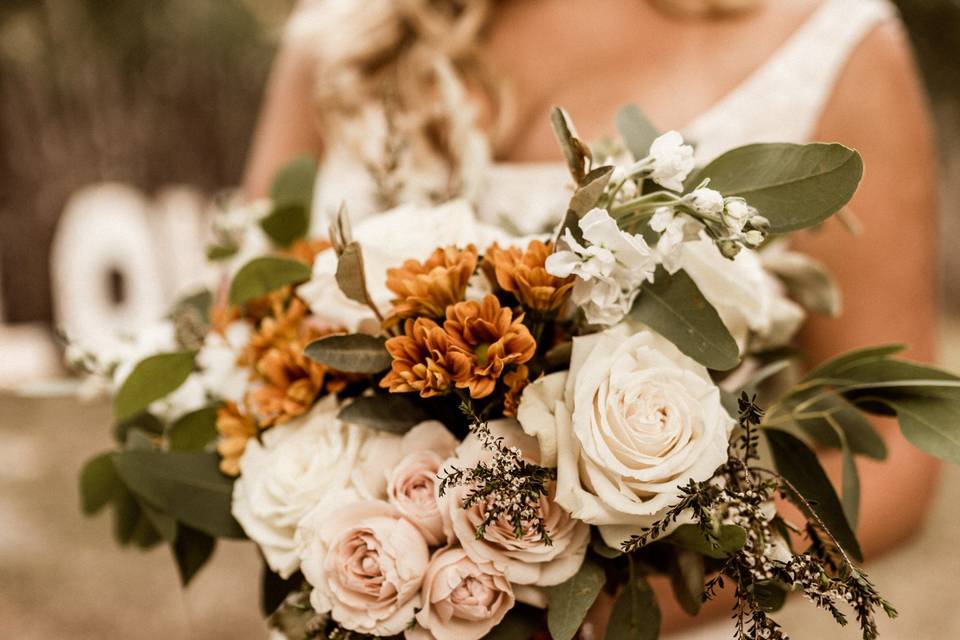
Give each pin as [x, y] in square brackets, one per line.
[749, 300]
[461, 599]
[293, 469]
[632, 421]
[412, 483]
[526, 560]
[387, 240]
[366, 564]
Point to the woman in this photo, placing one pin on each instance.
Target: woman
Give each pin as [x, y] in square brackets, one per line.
[725, 72]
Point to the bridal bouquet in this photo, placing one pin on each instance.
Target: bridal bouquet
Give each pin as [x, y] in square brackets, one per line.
[431, 428]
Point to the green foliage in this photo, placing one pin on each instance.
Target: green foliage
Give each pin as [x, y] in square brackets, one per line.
[637, 131]
[153, 378]
[674, 307]
[260, 276]
[687, 572]
[186, 485]
[353, 353]
[793, 186]
[351, 276]
[394, 413]
[522, 622]
[799, 465]
[193, 431]
[191, 549]
[292, 198]
[727, 540]
[568, 602]
[99, 483]
[635, 614]
[575, 152]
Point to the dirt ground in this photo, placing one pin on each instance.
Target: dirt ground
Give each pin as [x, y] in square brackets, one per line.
[61, 576]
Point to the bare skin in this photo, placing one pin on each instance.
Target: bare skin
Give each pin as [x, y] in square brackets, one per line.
[621, 51]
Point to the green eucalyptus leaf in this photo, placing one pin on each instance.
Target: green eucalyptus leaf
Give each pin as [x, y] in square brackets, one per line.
[286, 223]
[191, 549]
[294, 183]
[854, 428]
[574, 151]
[568, 602]
[686, 577]
[836, 366]
[99, 483]
[217, 252]
[351, 353]
[522, 622]
[185, 485]
[637, 131]
[590, 190]
[152, 379]
[635, 614]
[194, 430]
[351, 276]
[770, 595]
[163, 524]
[799, 465]
[395, 413]
[674, 307]
[932, 424]
[262, 275]
[794, 186]
[850, 487]
[807, 281]
[688, 536]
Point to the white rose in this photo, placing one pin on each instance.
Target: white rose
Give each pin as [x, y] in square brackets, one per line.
[387, 239]
[636, 420]
[749, 300]
[672, 160]
[366, 564]
[461, 599]
[293, 469]
[526, 560]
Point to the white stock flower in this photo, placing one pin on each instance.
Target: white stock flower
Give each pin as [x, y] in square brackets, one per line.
[630, 423]
[220, 373]
[672, 160]
[387, 240]
[705, 200]
[293, 469]
[672, 229]
[610, 267]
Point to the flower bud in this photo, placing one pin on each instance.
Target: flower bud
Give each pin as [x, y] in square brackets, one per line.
[736, 213]
[753, 238]
[728, 248]
[706, 201]
[759, 223]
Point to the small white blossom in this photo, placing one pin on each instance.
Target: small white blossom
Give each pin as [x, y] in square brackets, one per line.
[672, 160]
[669, 249]
[610, 267]
[737, 213]
[662, 217]
[706, 201]
[753, 238]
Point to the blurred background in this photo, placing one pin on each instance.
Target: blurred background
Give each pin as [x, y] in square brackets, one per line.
[147, 106]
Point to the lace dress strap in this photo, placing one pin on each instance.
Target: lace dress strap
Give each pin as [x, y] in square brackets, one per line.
[783, 100]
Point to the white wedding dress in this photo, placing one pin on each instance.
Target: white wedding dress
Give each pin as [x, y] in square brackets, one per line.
[781, 101]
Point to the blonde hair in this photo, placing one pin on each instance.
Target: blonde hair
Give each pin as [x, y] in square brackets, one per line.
[419, 60]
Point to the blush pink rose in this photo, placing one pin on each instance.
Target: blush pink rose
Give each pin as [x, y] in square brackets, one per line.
[526, 560]
[412, 489]
[366, 564]
[461, 599]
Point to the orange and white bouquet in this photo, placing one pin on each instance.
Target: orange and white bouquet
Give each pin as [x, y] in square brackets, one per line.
[432, 428]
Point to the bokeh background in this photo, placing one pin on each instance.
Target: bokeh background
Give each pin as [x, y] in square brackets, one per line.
[153, 93]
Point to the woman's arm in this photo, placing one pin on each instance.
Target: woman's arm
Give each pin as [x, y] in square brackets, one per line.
[287, 127]
[888, 274]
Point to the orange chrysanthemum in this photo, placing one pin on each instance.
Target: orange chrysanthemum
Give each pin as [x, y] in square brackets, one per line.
[428, 288]
[420, 359]
[524, 274]
[516, 381]
[291, 381]
[235, 428]
[485, 339]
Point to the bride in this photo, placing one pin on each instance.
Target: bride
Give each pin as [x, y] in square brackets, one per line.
[466, 87]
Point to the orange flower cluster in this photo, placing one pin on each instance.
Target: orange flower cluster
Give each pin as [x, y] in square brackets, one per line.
[474, 348]
[235, 428]
[427, 288]
[291, 381]
[524, 274]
